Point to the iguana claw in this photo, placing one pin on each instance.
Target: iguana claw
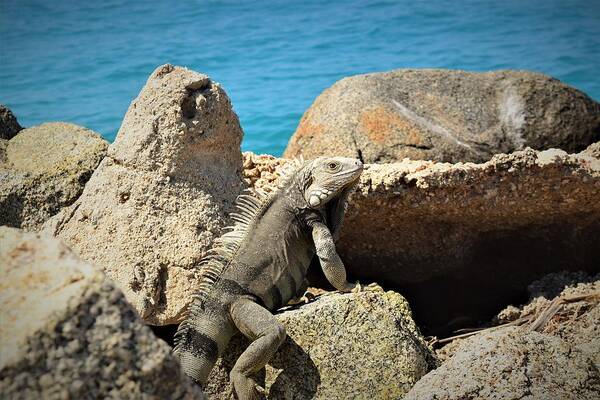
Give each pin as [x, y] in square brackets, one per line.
[372, 287]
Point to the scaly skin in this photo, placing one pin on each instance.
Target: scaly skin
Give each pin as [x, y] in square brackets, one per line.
[261, 265]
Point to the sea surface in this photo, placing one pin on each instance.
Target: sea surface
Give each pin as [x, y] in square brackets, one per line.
[85, 61]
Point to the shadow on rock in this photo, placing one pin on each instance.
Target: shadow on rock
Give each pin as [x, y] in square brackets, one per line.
[292, 372]
[297, 377]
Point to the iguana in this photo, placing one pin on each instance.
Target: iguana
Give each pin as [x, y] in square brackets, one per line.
[261, 263]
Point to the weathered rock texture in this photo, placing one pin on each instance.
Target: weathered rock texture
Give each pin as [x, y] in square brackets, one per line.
[593, 150]
[9, 126]
[461, 241]
[158, 199]
[445, 115]
[557, 358]
[261, 171]
[66, 332]
[363, 345]
[43, 169]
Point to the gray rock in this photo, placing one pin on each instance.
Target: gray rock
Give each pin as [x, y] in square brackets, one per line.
[153, 207]
[445, 115]
[43, 169]
[510, 364]
[9, 126]
[363, 345]
[67, 332]
[560, 361]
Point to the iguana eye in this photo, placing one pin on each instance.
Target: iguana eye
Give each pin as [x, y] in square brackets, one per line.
[332, 165]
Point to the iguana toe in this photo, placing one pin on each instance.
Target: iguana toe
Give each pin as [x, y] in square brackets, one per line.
[372, 287]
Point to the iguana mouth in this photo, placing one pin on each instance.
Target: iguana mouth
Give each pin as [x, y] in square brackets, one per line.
[354, 171]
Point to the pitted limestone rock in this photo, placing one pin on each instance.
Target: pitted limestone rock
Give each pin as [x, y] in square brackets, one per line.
[153, 207]
[362, 345]
[67, 332]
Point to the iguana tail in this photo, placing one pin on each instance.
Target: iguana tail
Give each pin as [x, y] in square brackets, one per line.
[202, 337]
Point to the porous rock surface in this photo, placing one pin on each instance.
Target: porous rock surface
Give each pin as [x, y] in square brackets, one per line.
[489, 229]
[560, 359]
[427, 228]
[9, 126]
[158, 199]
[593, 150]
[44, 169]
[362, 345]
[67, 332]
[261, 170]
[445, 115]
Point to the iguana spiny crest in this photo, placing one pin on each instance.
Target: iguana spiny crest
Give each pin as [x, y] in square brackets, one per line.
[260, 264]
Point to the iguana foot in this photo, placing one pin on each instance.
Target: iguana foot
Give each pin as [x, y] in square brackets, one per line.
[246, 388]
[306, 298]
[372, 287]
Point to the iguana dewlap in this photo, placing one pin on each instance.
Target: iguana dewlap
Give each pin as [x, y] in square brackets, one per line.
[261, 264]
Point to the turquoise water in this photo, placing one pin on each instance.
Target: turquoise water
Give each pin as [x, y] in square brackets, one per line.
[85, 61]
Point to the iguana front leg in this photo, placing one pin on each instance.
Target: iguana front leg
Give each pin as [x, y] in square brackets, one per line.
[332, 264]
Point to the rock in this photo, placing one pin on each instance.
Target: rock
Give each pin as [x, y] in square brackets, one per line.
[3, 146]
[445, 115]
[9, 126]
[67, 332]
[508, 364]
[261, 171]
[592, 150]
[43, 169]
[153, 207]
[362, 345]
[489, 229]
[559, 360]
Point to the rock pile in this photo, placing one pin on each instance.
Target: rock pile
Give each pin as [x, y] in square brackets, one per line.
[445, 115]
[158, 199]
[460, 241]
[67, 332]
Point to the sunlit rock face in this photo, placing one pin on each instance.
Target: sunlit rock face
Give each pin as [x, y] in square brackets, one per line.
[153, 207]
[445, 115]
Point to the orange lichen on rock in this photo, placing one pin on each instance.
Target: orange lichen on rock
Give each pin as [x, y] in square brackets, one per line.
[381, 126]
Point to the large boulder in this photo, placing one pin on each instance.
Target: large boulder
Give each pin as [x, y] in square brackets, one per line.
[67, 332]
[9, 126]
[453, 233]
[456, 233]
[44, 169]
[153, 207]
[555, 355]
[445, 115]
[362, 345]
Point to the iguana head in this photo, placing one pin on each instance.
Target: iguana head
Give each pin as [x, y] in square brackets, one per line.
[328, 178]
